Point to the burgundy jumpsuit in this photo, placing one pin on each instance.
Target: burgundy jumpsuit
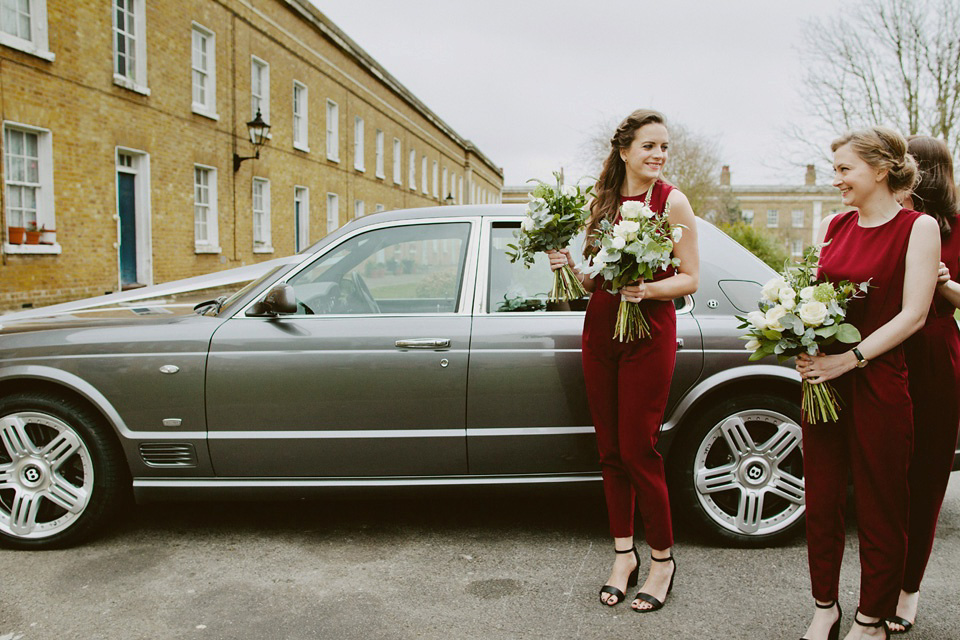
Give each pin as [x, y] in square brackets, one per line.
[873, 438]
[627, 386]
[933, 360]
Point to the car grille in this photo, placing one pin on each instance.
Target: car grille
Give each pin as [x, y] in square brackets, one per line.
[168, 454]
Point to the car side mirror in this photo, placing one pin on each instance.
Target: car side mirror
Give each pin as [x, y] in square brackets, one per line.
[280, 299]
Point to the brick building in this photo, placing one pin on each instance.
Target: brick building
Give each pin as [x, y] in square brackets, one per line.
[121, 120]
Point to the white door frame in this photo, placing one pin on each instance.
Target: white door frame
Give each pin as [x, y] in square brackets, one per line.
[140, 167]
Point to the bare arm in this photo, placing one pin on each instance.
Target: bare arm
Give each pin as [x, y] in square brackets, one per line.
[948, 288]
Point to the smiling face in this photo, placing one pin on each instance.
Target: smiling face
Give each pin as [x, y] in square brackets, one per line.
[646, 155]
[857, 180]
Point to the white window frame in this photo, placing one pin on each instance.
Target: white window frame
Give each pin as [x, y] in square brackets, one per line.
[397, 161]
[208, 107]
[377, 208]
[459, 189]
[137, 79]
[445, 190]
[301, 116]
[773, 216]
[212, 243]
[796, 216]
[263, 98]
[333, 212]
[796, 248]
[436, 180]
[333, 131]
[46, 210]
[747, 216]
[358, 208]
[301, 194]
[423, 175]
[263, 243]
[412, 170]
[358, 160]
[378, 171]
[37, 43]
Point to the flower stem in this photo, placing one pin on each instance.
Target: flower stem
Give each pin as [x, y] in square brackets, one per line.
[566, 285]
[631, 324]
[820, 402]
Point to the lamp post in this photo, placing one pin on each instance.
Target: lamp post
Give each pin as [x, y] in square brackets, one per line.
[258, 135]
[449, 199]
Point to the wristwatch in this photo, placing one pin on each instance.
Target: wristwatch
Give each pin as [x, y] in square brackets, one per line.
[861, 361]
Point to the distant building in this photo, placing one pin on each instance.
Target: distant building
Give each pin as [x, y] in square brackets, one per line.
[121, 120]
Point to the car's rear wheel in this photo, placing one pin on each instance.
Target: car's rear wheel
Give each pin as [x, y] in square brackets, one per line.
[738, 471]
[61, 474]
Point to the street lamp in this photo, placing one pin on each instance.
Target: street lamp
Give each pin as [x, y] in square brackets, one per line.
[449, 199]
[258, 135]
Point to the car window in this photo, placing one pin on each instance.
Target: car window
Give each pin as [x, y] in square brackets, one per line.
[402, 269]
[513, 288]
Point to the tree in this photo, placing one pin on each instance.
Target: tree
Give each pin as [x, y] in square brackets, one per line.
[891, 62]
[693, 161]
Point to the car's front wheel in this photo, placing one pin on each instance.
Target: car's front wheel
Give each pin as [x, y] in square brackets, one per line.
[61, 474]
[738, 471]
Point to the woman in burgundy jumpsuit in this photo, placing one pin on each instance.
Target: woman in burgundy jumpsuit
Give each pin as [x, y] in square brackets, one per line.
[897, 250]
[933, 360]
[627, 383]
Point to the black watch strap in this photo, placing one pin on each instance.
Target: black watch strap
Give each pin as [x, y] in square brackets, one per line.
[861, 361]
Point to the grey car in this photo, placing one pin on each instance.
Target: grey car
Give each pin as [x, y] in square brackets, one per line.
[404, 349]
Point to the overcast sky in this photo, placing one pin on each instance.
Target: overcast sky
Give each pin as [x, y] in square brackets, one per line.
[530, 81]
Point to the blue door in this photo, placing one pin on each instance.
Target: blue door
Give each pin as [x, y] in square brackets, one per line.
[128, 228]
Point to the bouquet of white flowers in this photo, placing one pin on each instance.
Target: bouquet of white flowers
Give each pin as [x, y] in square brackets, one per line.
[798, 314]
[554, 216]
[635, 248]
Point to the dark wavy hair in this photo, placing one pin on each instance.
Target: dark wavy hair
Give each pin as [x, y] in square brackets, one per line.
[936, 194]
[606, 200]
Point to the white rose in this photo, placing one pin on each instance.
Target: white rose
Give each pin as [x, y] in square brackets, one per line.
[752, 344]
[630, 210]
[527, 225]
[626, 229]
[569, 190]
[789, 304]
[773, 317]
[772, 288]
[536, 205]
[676, 234]
[647, 212]
[813, 313]
[806, 293]
[618, 242]
[758, 319]
[788, 297]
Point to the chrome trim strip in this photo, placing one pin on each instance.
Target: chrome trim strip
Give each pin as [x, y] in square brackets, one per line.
[335, 435]
[529, 431]
[243, 483]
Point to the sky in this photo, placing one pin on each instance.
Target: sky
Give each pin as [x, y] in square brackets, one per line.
[531, 81]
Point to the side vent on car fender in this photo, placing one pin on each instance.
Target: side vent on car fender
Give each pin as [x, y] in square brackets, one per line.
[168, 454]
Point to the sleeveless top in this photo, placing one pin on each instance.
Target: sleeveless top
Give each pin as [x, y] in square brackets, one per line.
[658, 202]
[950, 256]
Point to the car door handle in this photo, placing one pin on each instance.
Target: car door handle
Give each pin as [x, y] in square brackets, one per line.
[424, 343]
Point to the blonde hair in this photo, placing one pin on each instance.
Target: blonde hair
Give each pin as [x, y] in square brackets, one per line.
[883, 148]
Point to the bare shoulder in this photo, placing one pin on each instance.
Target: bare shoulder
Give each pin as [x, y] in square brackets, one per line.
[677, 198]
[926, 225]
[824, 225]
[680, 209]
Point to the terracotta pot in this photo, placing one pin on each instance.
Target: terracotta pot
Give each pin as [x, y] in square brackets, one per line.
[15, 235]
[48, 236]
[33, 237]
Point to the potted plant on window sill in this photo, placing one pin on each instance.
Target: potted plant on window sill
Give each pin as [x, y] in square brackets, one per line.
[16, 235]
[48, 236]
[33, 236]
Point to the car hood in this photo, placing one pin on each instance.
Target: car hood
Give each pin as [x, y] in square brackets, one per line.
[160, 304]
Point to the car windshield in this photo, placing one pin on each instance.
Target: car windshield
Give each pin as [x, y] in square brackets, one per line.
[215, 309]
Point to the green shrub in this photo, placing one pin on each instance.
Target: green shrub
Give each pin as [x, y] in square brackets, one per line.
[762, 244]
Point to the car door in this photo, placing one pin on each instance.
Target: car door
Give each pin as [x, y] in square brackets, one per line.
[368, 378]
[526, 405]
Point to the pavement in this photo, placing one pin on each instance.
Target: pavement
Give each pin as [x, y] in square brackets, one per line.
[452, 563]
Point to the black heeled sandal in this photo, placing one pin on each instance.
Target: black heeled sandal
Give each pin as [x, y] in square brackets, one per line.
[879, 624]
[631, 581]
[903, 622]
[651, 600]
[835, 629]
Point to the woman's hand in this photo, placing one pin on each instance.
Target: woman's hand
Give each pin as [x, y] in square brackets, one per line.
[634, 292]
[943, 275]
[821, 368]
[560, 258]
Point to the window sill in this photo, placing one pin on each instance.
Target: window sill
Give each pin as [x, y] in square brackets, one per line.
[263, 249]
[380, 176]
[206, 248]
[25, 46]
[360, 169]
[301, 147]
[337, 160]
[206, 113]
[126, 83]
[398, 183]
[32, 249]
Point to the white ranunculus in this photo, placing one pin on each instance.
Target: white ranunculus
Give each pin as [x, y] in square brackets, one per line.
[527, 225]
[569, 190]
[752, 344]
[812, 313]
[806, 293]
[630, 210]
[773, 317]
[772, 288]
[618, 242]
[676, 234]
[758, 319]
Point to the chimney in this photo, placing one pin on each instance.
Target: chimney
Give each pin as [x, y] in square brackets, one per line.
[811, 178]
[725, 176]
